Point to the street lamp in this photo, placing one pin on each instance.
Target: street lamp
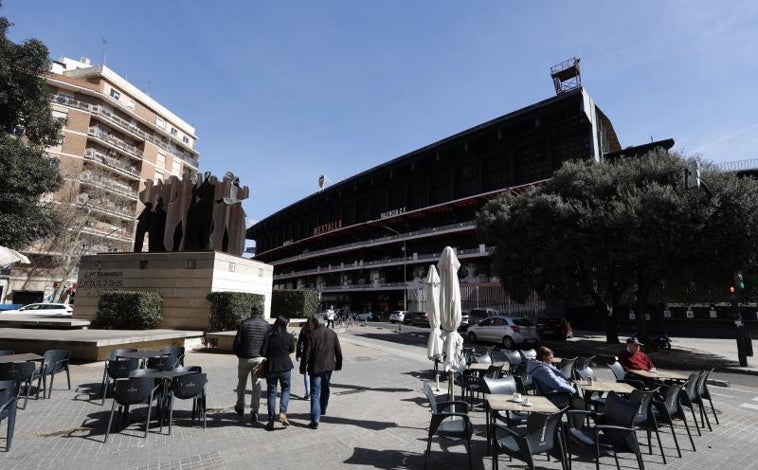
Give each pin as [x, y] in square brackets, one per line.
[405, 265]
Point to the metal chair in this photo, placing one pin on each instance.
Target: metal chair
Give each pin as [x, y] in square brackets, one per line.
[22, 373]
[8, 405]
[454, 424]
[53, 362]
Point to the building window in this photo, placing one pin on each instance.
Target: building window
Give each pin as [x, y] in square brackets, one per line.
[176, 167]
[60, 115]
[174, 131]
[160, 123]
[115, 94]
[185, 139]
[160, 160]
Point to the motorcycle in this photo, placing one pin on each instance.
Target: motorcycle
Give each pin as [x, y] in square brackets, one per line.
[656, 339]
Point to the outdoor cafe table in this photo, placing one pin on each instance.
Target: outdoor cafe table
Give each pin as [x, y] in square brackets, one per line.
[619, 387]
[481, 367]
[659, 374]
[21, 357]
[505, 402]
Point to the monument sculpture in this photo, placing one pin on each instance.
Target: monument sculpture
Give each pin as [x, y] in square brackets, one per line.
[193, 214]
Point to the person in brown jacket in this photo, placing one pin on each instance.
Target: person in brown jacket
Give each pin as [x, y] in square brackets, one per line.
[322, 355]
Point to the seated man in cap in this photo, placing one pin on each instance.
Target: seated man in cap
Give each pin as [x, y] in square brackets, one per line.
[632, 358]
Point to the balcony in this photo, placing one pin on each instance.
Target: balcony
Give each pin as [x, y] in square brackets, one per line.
[114, 142]
[108, 184]
[113, 163]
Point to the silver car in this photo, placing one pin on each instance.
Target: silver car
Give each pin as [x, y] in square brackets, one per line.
[504, 330]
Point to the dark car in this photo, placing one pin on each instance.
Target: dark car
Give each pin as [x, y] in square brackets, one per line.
[478, 314]
[418, 318]
[557, 328]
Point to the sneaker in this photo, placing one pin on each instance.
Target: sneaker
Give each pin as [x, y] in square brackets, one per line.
[239, 409]
[307, 397]
[313, 425]
[270, 425]
[283, 419]
[254, 416]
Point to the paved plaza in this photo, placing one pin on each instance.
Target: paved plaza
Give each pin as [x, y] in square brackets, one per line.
[378, 418]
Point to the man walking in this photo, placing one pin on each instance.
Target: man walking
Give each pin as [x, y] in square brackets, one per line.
[330, 316]
[321, 356]
[252, 333]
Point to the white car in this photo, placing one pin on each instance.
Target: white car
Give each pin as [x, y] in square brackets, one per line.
[366, 316]
[398, 316]
[505, 330]
[48, 309]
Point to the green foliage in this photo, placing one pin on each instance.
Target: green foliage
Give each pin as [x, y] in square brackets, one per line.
[228, 309]
[624, 232]
[123, 310]
[294, 303]
[26, 128]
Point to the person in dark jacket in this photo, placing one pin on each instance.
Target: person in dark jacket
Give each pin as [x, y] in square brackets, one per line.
[278, 347]
[302, 337]
[253, 333]
[321, 356]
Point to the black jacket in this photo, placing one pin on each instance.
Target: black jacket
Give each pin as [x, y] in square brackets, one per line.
[278, 347]
[322, 351]
[253, 333]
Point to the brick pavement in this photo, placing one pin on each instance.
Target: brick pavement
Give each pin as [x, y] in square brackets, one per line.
[377, 419]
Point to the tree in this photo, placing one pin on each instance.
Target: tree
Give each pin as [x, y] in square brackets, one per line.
[622, 232]
[26, 128]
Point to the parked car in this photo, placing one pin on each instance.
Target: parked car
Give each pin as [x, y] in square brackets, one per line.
[367, 316]
[418, 318]
[64, 310]
[557, 328]
[475, 315]
[505, 330]
[398, 316]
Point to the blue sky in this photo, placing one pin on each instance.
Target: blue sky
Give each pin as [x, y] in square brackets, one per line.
[281, 92]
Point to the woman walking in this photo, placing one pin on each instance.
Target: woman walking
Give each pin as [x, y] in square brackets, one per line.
[279, 345]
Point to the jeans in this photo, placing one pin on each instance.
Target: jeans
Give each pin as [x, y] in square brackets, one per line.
[244, 368]
[319, 394]
[272, 380]
[307, 384]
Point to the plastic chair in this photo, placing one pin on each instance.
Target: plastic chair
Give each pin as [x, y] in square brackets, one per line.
[186, 387]
[8, 405]
[596, 399]
[620, 374]
[178, 352]
[504, 386]
[22, 373]
[114, 356]
[646, 417]
[447, 424]
[670, 408]
[132, 391]
[166, 361]
[697, 399]
[582, 362]
[540, 436]
[567, 367]
[704, 393]
[117, 369]
[528, 354]
[53, 362]
[688, 399]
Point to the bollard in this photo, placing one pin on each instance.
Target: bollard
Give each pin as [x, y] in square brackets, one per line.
[399, 327]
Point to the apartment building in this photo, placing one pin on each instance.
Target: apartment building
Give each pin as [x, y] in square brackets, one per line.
[114, 138]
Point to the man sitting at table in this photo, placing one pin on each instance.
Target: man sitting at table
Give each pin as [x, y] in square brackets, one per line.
[632, 358]
[548, 379]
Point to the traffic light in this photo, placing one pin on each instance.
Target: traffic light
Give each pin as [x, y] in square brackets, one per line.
[739, 280]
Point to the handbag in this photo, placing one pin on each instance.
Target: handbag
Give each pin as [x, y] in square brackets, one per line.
[262, 371]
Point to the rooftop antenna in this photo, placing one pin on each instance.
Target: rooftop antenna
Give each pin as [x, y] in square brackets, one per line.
[566, 76]
[103, 44]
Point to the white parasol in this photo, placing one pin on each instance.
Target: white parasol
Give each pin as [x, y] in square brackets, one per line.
[450, 313]
[9, 256]
[432, 294]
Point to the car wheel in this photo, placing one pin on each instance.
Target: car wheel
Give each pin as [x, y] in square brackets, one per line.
[508, 342]
[471, 337]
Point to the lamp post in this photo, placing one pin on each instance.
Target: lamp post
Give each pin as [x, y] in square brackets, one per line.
[405, 265]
